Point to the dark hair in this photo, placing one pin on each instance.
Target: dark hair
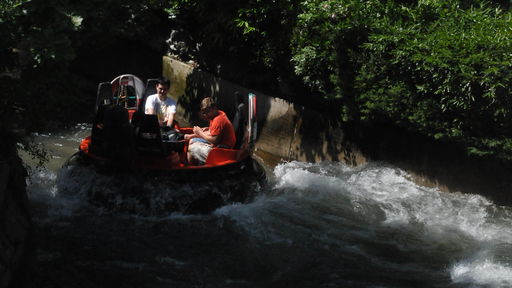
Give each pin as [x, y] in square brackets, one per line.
[164, 81]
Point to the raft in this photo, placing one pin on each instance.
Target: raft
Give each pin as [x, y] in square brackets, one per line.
[125, 141]
[122, 135]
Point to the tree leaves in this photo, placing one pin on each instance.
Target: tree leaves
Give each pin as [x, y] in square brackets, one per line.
[440, 68]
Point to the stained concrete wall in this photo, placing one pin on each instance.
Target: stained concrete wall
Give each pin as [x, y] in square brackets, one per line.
[286, 131]
[290, 132]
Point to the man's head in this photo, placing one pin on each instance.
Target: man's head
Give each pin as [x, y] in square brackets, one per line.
[208, 108]
[162, 86]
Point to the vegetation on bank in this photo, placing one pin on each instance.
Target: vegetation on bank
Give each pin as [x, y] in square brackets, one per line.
[53, 53]
[437, 68]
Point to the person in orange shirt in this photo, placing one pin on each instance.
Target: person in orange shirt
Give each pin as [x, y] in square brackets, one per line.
[220, 133]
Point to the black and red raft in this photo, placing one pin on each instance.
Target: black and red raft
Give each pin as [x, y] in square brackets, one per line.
[126, 141]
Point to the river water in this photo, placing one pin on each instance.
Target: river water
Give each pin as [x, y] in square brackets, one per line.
[311, 225]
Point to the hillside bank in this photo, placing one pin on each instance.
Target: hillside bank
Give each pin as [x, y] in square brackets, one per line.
[15, 223]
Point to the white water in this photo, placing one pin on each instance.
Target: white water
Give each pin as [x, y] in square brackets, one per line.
[356, 210]
[315, 225]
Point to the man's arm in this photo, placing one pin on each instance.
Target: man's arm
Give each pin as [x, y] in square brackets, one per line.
[149, 108]
[170, 119]
[205, 134]
[194, 135]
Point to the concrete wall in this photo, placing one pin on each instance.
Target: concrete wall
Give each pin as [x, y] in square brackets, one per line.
[291, 132]
[286, 132]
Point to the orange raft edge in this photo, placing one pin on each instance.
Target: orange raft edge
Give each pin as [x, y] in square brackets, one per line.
[218, 157]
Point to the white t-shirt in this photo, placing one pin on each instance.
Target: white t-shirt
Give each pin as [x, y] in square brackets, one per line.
[161, 108]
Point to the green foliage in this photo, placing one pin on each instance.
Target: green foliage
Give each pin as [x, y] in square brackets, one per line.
[40, 42]
[452, 70]
[39, 45]
[440, 68]
[244, 41]
[39, 48]
[325, 34]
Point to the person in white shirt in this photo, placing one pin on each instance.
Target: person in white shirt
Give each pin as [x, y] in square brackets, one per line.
[162, 106]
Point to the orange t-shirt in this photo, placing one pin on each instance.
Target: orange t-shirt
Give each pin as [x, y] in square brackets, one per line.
[221, 126]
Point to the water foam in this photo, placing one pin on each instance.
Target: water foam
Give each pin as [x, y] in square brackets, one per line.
[483, 272]
[41, 183]
[335, 205]
[43, 189]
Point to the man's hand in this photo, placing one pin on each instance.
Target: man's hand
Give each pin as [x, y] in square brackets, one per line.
[197, 130]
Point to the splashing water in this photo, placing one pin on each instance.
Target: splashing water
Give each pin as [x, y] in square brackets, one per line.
[375, 219]
[315, 225]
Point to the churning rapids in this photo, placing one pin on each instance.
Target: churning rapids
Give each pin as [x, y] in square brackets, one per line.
[311, 225]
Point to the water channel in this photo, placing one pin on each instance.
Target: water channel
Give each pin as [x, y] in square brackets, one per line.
[312, 225]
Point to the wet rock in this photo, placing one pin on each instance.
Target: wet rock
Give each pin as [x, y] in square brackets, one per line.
[4, 177]
[15, 222]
